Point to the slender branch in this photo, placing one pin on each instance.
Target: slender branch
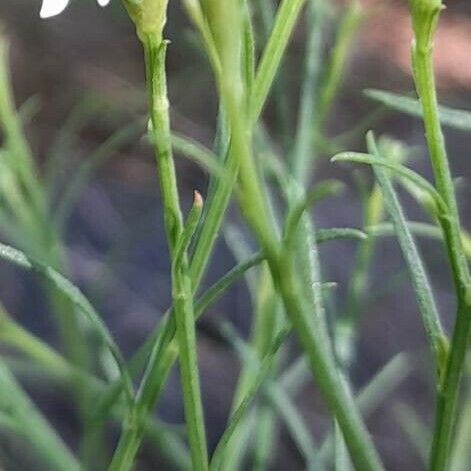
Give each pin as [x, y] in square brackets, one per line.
[425, 15]
[155, 53]
[323, 365]
[182, 296]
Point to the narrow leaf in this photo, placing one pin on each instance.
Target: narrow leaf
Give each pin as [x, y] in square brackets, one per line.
[417, 272]
[286, 17]
[326, 235]
[458, 119]
[26, 419]
[75, 296]
[197, 153]
[239, 414]
[401, 170]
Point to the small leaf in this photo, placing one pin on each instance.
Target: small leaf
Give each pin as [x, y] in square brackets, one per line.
[401, 170]
[418, 274]
[321, 191]
[457, 119]
[416, 227]
[196, 152]
[325, 235]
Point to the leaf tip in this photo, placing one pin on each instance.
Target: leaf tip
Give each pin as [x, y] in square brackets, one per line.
[197, 199]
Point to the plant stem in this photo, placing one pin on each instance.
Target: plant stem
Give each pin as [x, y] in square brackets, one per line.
[425, 84]
[186, 336]
[182, 296]
[155, 53]
[448, 392]
[425, 17]
[166, 352]
[324, 368]
[323, 365]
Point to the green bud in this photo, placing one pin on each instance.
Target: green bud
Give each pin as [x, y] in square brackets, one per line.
[425, 15]
[149, 16]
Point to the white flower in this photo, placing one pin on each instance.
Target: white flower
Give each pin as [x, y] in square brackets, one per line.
[54, 7]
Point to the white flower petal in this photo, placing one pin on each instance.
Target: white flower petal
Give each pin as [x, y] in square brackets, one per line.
[103, 3]
[52, 8]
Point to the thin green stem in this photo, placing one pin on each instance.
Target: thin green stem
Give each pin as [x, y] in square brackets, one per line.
[253, 204]
[267, 11]
[155, 54]
[161, 361]
[448, 392]
[425, 17]
[425, 83]
[332, 386]
[182, 296]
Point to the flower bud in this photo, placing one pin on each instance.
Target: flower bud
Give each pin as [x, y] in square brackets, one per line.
[425, 15]
[149, 16]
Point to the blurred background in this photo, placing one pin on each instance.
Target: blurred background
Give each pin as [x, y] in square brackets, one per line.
[81, 77]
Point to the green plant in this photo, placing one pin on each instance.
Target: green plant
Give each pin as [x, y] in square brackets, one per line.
[285, 279]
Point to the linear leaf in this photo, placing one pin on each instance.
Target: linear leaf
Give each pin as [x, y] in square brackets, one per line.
[417, 272]
[373, 394]
[458, 119]
[401, 170]
[335, 233]
[417, 432]
[279, 398]
[75, 296]
[27, 421]
[321, 191]
[286, 17]
[197, 153]
[416, 227]
[241, 411]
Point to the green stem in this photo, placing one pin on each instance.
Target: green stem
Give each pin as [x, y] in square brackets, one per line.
[323, 365]
[448, 393]
[166, 350]
[267, 12]
[162, 360]
[286, 17]
[425, 18]
[213, 220]
[182, 296]
[186, 336]
[155, 54]
[425, 83]
[324, 368]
